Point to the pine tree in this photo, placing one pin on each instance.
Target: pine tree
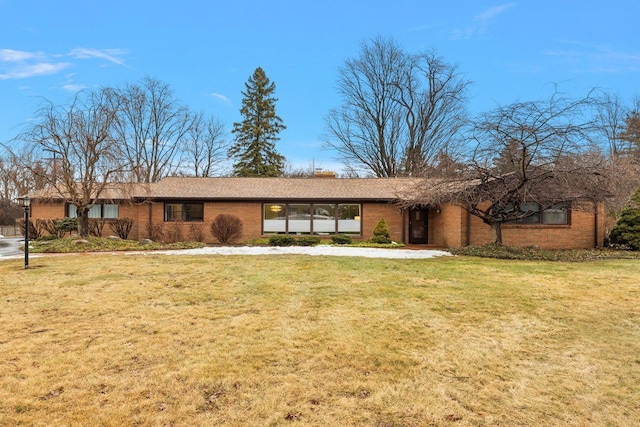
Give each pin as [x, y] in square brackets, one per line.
[631, 132]
[255, 136]
[626, 232]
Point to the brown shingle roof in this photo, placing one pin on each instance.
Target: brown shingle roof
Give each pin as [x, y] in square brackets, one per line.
[119, 191]
[281, 188]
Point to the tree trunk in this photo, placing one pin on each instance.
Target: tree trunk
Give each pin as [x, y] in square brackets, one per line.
[83, 222]
[496, 229]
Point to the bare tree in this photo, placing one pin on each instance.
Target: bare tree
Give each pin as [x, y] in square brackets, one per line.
[526, 158]
[205, 147]
[611, 114]
[80, 137]
[399, 110]
[152, 126]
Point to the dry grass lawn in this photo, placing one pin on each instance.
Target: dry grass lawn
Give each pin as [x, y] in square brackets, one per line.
[102, 340]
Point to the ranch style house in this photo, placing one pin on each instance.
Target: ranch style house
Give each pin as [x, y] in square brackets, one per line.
[323, 207]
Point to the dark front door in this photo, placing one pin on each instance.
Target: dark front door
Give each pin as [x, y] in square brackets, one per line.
[418, 225]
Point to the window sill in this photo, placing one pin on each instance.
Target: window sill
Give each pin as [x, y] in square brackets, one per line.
[534, 226]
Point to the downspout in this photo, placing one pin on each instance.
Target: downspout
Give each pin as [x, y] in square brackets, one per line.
[150, 224]
[596, 225]
[468, 228]
[404, 225]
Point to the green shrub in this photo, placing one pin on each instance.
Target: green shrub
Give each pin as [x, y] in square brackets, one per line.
[382, 229]
[49, 225]
[381, 239]
[341, 239]
[626, 232]
[67, 225]
[281, 240]
[307, 241]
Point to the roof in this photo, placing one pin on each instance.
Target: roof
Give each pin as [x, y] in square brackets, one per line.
[281, 188]
[123, 191]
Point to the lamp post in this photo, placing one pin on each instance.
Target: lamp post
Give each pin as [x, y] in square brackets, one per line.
[25, 203]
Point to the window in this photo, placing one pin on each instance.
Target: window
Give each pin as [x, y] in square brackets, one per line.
[104, 210]
[310, 218]
[555, 215]
[349, 219]
[275, 219]
[299, 218]
[186, 212]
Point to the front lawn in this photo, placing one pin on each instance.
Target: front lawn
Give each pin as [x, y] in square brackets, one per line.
[157, 340]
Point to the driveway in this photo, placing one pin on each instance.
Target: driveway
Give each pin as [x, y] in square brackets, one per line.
[10, 247]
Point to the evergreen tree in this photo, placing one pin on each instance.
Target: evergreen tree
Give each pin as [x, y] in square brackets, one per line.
[626, 232]
[255, 136]
[631, 132]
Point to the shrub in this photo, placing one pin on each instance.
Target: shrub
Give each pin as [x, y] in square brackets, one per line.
[174, 232]
[196, 232]
[380, 239]
[341, 239]
[307, 241]
[122, 227]
[96, 225]
[49, 225]
[226, 228]
[35, 230]
[382, 229]
[66, 225]
[281, 240]
[155, 232]
[626, 232]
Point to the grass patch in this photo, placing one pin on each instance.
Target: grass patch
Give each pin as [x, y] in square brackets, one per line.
[533, 254]
[99, 244]
[157, 340]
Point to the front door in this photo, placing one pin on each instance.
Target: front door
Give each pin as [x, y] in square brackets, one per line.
[418, 225]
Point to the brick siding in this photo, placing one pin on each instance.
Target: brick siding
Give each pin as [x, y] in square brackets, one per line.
[448, 225]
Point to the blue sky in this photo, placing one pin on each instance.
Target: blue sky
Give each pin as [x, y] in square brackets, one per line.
[206, 50]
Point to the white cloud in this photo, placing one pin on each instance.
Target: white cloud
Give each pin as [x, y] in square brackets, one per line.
[10, 55]
[18, 64]
[24, 71]
[221, 97]
[111, 55]
[481, 22]
[491, 13]
[71, 87]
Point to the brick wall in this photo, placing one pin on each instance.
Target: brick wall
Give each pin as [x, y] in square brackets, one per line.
[449, 225]
[581, 233]
[56, 210]
[250, 213]
[373, 212]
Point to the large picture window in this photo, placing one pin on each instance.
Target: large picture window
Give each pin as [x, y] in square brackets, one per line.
[184, 212]
[100, 210]
[311, 218]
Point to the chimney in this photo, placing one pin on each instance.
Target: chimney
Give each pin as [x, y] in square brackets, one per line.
[324, 174]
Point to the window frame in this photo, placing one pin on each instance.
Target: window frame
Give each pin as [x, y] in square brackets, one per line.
[100, 206]
[186, 215]
[285, 212]
[540, 215]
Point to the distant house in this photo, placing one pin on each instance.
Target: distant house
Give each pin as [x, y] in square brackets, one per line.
[322, 207]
